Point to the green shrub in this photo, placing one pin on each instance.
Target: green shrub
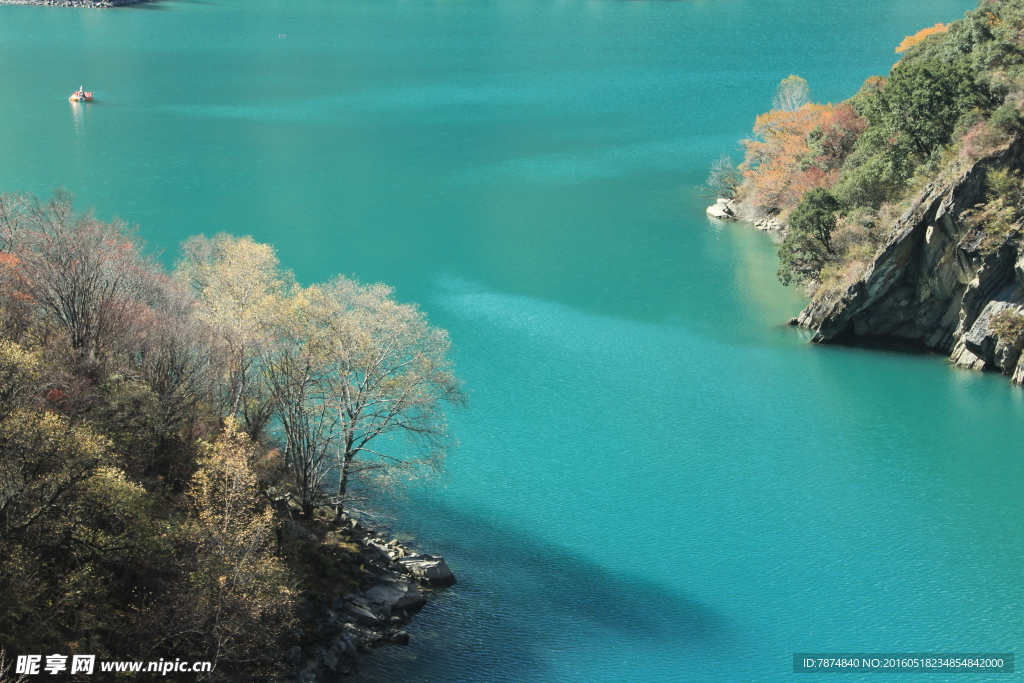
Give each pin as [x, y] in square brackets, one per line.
[876, 170]
[1003, 185]
[1007, 118]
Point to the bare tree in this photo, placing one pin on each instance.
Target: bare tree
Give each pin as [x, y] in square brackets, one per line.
[724, 180]
[791, 94]
[90, 277]
[349, 367]
[296, 370]
[389, 376]
[335, 368]
[174, 351]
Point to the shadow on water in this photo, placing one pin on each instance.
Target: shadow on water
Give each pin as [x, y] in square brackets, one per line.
[884, 344]
[522, 603]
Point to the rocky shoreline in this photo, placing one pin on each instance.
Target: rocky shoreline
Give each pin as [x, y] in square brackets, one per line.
[395, 582]
[98, 4]
[937, 284]
[731, 210]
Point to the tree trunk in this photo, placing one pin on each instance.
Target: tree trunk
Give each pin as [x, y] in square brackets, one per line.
[339, 505]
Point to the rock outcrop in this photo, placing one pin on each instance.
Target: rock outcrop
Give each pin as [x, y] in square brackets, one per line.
[431, 570]
[937, 283]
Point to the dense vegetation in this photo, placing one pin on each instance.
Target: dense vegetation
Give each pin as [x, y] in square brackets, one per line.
[839, 174]
[175, 446]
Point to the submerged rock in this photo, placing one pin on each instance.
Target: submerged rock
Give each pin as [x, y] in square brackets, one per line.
[393, 596]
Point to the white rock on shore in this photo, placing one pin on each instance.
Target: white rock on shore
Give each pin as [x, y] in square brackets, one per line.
[723, 209]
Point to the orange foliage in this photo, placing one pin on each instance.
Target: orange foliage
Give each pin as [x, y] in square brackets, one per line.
[911, 41]
[11, 280]
[9, 261]
[775, 166]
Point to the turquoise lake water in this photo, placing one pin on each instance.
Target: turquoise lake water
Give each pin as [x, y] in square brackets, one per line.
[658, 481]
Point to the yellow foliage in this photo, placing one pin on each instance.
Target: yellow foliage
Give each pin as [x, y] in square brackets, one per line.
[911, 41]
[115, 514]
[45, 463]
[241, 591]
[20, 375]
[241, 290]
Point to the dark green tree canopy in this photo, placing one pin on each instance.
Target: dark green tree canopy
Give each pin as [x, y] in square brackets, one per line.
[923, 100]
[808, 246]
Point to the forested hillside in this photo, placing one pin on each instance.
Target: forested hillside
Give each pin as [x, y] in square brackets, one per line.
[176, 448]
[840, 174]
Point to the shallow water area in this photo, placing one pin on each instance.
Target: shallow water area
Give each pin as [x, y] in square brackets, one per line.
[657, 480]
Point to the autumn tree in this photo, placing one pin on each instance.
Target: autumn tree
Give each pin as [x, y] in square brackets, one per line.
[390, 376]
[89, 277]
[21, 377]
[297, 370]
[831, 141]
[239, 284]
[239, 594]
[911, 41]
[775, 163]
[45, 459]
[174, 355]
[47, 467]
[351, 368]
[85, 290]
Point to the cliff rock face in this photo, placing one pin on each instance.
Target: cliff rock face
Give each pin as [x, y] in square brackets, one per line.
[937, 283]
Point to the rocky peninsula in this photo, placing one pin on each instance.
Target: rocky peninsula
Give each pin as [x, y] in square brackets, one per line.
[393, 582]
[900, 211]
[939, 282]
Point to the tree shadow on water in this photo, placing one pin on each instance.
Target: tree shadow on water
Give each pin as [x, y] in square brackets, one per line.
[522, 604]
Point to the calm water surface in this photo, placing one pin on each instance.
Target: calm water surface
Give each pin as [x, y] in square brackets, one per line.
[658, 481]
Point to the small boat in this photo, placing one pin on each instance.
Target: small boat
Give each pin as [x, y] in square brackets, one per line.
[80, 95]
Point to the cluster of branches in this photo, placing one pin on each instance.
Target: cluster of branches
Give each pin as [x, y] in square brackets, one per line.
[151, 423]
[332, 370]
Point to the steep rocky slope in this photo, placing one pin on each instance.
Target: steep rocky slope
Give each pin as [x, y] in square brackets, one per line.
[937, 282]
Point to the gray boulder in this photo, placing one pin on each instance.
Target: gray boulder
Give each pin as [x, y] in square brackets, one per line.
[395, 596]
[362, 614]
[429, 569]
